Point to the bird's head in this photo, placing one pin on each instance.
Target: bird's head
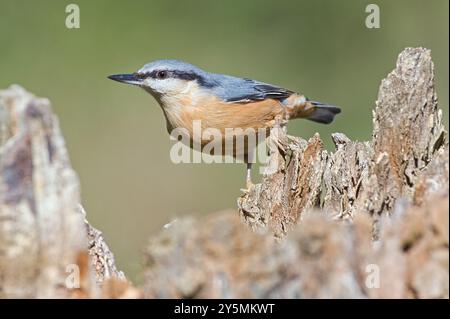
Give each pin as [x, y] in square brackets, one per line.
[165, 77]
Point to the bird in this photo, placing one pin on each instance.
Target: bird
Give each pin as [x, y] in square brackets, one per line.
[187, 93]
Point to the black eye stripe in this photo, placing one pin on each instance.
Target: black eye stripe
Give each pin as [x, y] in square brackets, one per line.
[153, 74]
[188, 76]
[156, 74]
[141, 75]
[182, 75]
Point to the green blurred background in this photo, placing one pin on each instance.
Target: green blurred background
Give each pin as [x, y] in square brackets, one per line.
[116, 134]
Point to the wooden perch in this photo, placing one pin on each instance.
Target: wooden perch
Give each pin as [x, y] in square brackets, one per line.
[359, 177]
[393, 188]
[43, 232]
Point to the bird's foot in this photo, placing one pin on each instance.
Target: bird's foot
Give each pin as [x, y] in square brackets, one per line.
[249, 186]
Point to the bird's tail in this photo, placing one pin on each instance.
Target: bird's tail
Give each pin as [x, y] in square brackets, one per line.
[299, 106]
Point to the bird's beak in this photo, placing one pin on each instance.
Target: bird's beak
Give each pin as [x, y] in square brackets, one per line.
[126, 78]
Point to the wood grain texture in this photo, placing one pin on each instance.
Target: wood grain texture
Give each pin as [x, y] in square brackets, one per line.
[359, 177]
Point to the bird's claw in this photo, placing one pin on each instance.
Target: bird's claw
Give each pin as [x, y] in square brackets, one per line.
[249, 186]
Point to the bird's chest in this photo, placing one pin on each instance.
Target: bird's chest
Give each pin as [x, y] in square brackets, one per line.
[191, 112]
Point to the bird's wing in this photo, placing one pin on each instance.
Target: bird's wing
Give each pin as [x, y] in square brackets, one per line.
[239, 90]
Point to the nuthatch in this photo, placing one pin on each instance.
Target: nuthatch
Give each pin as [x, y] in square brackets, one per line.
[187, 93]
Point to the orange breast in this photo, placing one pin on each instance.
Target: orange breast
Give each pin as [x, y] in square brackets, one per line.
[220, 115]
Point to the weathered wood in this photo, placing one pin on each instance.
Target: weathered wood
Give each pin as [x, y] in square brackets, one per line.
[43, 235]
[292, 188]
[408, 130]
[218, 257]
[323, 208]
[345, 175]
[364, 177]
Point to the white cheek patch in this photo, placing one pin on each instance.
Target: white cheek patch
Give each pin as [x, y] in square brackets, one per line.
[149, 82]
[176, 87]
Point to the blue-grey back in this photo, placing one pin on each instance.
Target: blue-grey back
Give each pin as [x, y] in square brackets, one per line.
[226, 87]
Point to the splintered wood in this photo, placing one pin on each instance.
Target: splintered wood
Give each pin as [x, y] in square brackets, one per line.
[360, 177]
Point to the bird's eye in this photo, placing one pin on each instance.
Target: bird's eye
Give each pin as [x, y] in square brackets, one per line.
[161, 75]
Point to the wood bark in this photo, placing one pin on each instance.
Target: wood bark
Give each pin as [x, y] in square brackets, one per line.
[358, 177]
[219, 257]
[368, 220]
[44, 237]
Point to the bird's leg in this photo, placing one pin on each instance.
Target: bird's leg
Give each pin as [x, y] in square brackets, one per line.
[249, 183]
